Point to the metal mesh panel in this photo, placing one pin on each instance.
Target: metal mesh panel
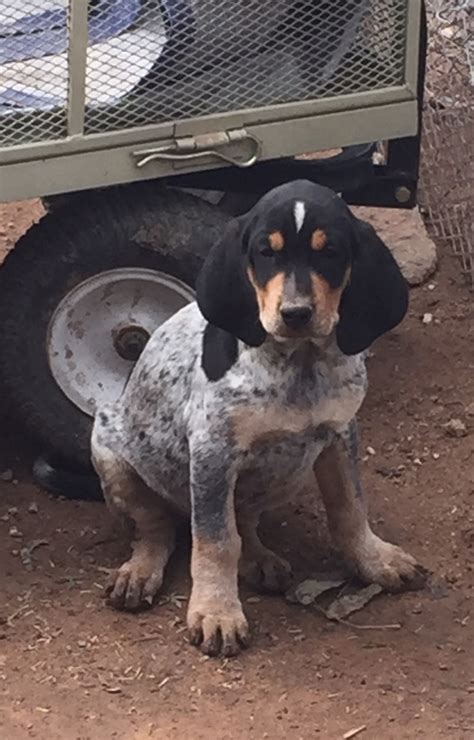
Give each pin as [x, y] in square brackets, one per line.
[152, 61]
[214, 56]
[33, 70]
[447, 168]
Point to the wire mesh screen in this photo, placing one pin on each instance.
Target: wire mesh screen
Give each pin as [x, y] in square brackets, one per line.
[447, 183]
[214, 56]
[152, 61]
[33, 70]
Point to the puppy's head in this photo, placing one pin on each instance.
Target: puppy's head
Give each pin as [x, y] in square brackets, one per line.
[299, 265]
[299, 261]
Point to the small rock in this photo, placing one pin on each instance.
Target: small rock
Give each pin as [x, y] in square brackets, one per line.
[436, 455]
[437, 588]
[470, 409]
[455, 428]
[427, 318]
[13, 511]
[388, 472]
[33, 508]
[370, 451]
[82, 643]
[15, 532]
[25, 556]
[448, 32]
[7, 475]
[4, 518]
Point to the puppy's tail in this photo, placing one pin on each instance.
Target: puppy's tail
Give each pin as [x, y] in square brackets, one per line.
[69, 483]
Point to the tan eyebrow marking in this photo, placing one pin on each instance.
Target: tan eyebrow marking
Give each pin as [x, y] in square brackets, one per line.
[277, 241]
[318, 239]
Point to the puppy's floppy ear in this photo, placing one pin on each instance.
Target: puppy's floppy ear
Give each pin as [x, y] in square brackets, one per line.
[224, 293]
[376, 297]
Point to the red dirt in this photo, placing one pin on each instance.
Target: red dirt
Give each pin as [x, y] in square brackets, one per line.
[72, 668]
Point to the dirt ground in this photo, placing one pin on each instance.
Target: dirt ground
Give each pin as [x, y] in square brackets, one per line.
[72, 668]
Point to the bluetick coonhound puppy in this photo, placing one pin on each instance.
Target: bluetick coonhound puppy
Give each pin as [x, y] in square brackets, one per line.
[237, 399]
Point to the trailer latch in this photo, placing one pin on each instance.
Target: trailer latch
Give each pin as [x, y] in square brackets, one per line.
[203, 145]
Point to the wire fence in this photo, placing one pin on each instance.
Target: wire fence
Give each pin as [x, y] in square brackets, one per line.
[447, 168]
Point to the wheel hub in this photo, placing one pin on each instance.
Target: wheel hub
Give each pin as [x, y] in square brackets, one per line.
[100, 328]
[130, 342]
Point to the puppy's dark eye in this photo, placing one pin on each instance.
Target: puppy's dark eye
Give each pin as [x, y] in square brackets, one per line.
[267, 252]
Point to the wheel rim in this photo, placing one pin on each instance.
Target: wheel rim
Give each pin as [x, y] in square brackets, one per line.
[99, 329]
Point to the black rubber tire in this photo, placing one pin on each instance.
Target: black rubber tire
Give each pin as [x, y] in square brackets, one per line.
[134, 225]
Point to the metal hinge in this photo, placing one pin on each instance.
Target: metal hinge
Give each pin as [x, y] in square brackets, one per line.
[200, 146]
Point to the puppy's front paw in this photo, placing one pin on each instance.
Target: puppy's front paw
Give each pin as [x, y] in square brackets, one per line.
[217, 628]
[377, 561]
[266, 571]
[135, 584]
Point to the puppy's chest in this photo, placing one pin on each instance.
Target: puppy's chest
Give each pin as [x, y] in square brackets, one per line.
[300, 408]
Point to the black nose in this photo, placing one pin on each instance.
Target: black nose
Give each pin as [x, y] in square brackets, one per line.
[296, 317]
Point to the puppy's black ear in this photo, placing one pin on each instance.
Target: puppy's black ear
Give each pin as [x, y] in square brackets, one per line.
[376, 297]
[225, 295]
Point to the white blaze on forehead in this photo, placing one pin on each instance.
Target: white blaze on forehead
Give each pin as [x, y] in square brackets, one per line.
[299, 211]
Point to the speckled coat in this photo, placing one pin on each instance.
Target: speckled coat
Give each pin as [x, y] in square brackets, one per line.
[269, 416]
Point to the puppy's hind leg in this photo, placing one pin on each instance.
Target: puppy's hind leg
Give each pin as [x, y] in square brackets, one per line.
[373, 559]
[137, 582]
